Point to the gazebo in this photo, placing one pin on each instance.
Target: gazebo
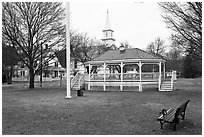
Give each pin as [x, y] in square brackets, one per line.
[125, 68]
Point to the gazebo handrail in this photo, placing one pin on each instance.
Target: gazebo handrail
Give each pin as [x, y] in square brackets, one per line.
[74, 79]
[150, 72]
[126, 76]
[125, 73]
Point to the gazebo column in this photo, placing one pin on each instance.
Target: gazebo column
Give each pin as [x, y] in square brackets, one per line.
[104, 79]
[121, 76]
[160, 71]
[140, 69]
[164, 69]
[89, 84]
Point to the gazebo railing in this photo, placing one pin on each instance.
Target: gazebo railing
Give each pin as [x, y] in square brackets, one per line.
[96, 76]
[126, 76]
[113, 76]
[150, 75]
[131, 76]
[74, 79]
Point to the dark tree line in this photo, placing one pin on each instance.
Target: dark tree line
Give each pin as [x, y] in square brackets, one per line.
[9, 60]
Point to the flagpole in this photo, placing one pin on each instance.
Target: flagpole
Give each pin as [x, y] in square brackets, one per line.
[68, 50]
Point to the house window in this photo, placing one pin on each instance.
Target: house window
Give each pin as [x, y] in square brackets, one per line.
[22, 65]
[22, 73]
[56, 74]
[56, 64]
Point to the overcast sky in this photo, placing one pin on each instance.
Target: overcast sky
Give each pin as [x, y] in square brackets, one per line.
[135, 22]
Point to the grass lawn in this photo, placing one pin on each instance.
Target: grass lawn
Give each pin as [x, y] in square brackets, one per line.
[46, 111]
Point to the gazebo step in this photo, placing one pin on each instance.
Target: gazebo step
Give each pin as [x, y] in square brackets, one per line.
[75, 86]
[166, 86]
[166, 82]
[75, 89]
[165, 90]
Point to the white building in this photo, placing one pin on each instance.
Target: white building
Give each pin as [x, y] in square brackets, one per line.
[53, 71]
[108, 32]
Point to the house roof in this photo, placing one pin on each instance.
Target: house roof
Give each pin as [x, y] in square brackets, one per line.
[61, 56]
[133, 53]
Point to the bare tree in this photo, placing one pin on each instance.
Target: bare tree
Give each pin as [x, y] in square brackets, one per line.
[157, 47]
[82, 47]
[125, 44]
[85, 48]
[27, 26]
[185, 19]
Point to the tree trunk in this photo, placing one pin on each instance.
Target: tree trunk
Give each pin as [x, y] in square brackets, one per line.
[32, 76]
[10, 74]
[7, 76]
[75, 64]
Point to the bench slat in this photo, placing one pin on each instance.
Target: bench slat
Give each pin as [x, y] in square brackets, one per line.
[169, 112]
[169, 117]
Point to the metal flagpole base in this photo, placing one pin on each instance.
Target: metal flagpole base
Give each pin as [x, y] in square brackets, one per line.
[68, 97]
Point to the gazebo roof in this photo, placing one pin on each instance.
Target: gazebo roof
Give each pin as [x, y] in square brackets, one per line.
[127, 54]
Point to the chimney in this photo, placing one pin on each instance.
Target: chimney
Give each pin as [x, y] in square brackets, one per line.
[122, 49]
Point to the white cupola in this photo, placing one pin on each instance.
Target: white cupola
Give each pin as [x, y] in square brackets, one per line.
[108, 32]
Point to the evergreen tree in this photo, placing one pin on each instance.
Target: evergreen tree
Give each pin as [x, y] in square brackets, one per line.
[192, 65]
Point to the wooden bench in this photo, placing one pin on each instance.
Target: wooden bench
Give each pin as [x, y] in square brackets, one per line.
[172, 116]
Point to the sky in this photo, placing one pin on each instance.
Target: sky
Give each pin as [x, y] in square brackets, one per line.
[138, 23]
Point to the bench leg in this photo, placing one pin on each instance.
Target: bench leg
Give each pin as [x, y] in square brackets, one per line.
[173, 125]
[183, 116]
[161, 123]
